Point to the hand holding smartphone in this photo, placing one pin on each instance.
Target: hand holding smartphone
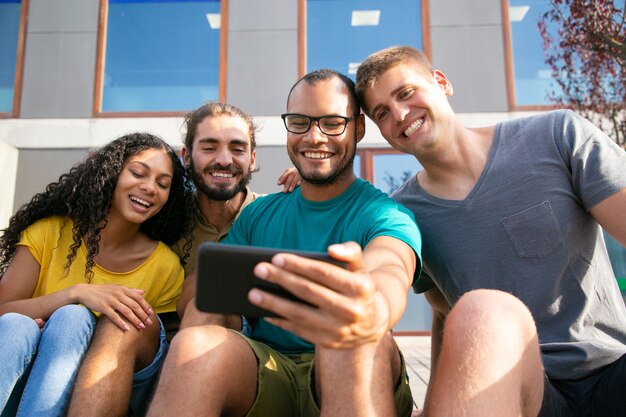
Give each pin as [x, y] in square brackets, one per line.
[225, 276]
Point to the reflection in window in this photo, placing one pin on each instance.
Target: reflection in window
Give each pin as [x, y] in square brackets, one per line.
[9, 30]
[533, 78]
[357, 165]
[342, 33]
[161, 55]
[393, 170]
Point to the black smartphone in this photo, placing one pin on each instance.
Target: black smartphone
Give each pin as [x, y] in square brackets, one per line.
[225, 276]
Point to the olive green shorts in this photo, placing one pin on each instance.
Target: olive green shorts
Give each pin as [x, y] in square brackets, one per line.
[285, 385]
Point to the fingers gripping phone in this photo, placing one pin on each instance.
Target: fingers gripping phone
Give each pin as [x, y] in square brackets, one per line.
[225, 276]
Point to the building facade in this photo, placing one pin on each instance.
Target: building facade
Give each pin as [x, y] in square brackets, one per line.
[79, 73]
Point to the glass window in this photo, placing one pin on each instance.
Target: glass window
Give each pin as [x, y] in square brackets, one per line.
[9, 32]
[160, 55]
[392, 170]
[356, 167]
[342, 33]
[617, 254]
[533, 78]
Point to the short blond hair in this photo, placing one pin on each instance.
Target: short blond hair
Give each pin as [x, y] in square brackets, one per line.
[380, 62]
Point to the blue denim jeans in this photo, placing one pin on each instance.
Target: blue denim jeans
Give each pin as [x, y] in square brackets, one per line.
[38, 367]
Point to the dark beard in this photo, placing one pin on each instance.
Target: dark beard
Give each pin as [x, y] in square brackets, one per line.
[217, 193]
[331, 178]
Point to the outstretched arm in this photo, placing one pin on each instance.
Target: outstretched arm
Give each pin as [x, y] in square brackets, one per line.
[352, 306]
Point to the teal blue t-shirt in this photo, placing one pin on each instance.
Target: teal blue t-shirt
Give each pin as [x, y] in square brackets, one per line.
[289, 221]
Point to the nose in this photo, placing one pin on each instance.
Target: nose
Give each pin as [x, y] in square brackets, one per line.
[399, 111]
[148, 186]
[315, 134]
[223, 157]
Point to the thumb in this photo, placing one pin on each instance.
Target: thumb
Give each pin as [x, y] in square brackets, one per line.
[349, 252]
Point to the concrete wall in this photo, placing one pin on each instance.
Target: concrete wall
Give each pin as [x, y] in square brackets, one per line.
[8, 162]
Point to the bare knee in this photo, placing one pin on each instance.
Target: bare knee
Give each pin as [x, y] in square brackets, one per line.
[487, 317]
[138, 346]
[195, 341]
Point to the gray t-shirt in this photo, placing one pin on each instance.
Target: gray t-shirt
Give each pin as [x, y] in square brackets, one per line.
[525, 228]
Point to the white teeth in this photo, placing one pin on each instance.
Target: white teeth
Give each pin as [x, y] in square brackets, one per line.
[222, 174]
[318, 155]
[140, 201]
[416, 125]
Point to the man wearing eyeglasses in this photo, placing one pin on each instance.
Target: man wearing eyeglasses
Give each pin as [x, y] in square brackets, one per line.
[336, 353]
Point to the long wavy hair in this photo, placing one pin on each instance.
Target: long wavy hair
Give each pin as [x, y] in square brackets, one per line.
[85, 195]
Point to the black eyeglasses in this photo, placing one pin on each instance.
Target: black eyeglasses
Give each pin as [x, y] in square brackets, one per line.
[329, 125]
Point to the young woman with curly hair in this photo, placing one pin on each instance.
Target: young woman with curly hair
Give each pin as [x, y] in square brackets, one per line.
[94, 243]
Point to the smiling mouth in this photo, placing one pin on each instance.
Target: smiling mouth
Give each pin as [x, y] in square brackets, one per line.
[318, 155]
[416, 125]
[222, 174]
[140, 201]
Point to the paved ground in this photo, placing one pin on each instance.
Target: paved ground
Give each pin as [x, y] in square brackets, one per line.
[416, 351]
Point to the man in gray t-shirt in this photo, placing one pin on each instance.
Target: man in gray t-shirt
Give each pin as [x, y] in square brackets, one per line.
[510, 216]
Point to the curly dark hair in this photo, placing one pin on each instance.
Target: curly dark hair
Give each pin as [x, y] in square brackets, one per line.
[85, 195]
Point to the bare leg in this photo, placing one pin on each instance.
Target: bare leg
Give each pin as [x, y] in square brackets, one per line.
[490, 363]
[209, 371]
[195, 317]
[104, 383]
[360, 381]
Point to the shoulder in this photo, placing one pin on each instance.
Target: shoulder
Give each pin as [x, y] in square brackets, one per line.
[165, 253]
[51, 225]
[380, 203]
[260, 201]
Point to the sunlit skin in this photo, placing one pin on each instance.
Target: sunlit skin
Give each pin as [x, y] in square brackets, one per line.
[221, 157]
[324, 162]
[410, 107]
[143, 186]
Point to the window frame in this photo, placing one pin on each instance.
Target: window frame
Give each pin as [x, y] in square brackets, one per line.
[18, 79]
[509, 66]
[100, 63]
[302, 34]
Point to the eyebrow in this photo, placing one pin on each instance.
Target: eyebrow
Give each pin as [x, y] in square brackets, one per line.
[231, 141]
[393, 93]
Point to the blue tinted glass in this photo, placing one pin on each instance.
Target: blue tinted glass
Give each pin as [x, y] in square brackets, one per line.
[342, 33]
[357, 165]
[392, 170]
[9, 30]
[161, 55]
[533, 79]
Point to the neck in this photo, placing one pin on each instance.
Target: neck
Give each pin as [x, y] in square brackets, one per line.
[324, 192]
[118, 233]
[452, 170]
[218, 213]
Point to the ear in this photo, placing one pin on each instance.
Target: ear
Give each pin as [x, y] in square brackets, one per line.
[443, 82]
[186, 155]
[253, 161]
[360, 127]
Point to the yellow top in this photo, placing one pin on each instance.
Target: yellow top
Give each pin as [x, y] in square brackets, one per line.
[48, 240]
